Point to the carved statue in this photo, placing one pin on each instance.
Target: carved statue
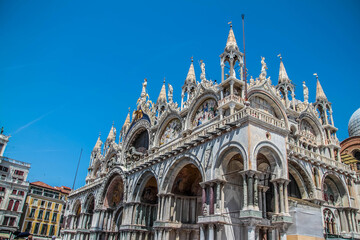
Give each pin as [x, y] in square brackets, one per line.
[263, 69]
[202, 66]
[252, 81]
[170, 93]
[306, 93]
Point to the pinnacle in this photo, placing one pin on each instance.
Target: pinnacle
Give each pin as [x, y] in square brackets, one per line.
[231, 41]
[112, 133]
[191, 78]
[320, 95]
[98, 144]
[162, 95]
[283, 77]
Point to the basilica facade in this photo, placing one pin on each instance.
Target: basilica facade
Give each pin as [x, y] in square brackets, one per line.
[233, 160]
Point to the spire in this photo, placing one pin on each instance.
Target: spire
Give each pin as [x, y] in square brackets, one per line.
[231, 41]
[283, 77]
[127, 120]
[320, 95]
[191, 78]
[98, 143]
[112, 133]
[162, 95]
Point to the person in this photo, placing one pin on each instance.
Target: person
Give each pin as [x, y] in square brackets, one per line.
[30, 237]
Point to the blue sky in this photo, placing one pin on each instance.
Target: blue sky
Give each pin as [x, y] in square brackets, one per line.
[68, 69]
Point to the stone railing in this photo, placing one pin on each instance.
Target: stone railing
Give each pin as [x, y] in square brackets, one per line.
[230, 98]
[204, 133]
[15, 161]
[317, 157]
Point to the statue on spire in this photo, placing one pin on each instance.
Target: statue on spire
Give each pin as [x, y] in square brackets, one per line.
[263, 69]
[202, 66]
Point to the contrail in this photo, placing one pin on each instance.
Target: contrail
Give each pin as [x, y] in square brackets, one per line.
[32, 122]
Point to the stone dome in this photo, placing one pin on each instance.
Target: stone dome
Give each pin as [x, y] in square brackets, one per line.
[354, 124]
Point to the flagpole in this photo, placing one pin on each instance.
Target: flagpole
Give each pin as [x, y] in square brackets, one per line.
[245, 71]
[77, 169]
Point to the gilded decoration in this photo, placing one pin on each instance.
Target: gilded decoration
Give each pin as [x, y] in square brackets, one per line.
[171, 131]
[205, 112]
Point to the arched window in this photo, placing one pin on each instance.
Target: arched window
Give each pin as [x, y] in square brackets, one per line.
[16, 206]
[11, 202]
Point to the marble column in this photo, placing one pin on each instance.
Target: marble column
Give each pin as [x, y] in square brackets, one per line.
[211, 232]
[218, 197]
[202, 232]
[256, 193]
[211, 199]
[281, 197]
[276, 196]
[245, 192]
[203, 200]
[250, 191]
[286, 197]
[251, 232]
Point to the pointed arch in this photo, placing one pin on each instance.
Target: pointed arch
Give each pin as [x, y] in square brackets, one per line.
[196, 104]
[279, 108]
[163, 125]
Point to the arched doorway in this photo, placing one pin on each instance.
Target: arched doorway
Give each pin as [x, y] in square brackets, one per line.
[234, 188]
[183, 202]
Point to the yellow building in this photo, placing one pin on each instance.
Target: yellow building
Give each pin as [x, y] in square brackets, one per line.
[44, 210]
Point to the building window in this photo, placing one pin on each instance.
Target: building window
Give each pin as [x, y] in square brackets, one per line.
[32, 213]
[4, 169]
[62, 219]
[40, 215]
[49, 204]
[44, 229]
[21, 193]
[18, 172]
[47, 215]
[28, 227]
[42, 203]
[51, 233]
[6, 220]
[11, 202]
[35, 202]
[54, 216]
[56, 206]
[16, 206]
[2, 189]
[14, 192]
[12, 222]
[36, 229]
[36, 190]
